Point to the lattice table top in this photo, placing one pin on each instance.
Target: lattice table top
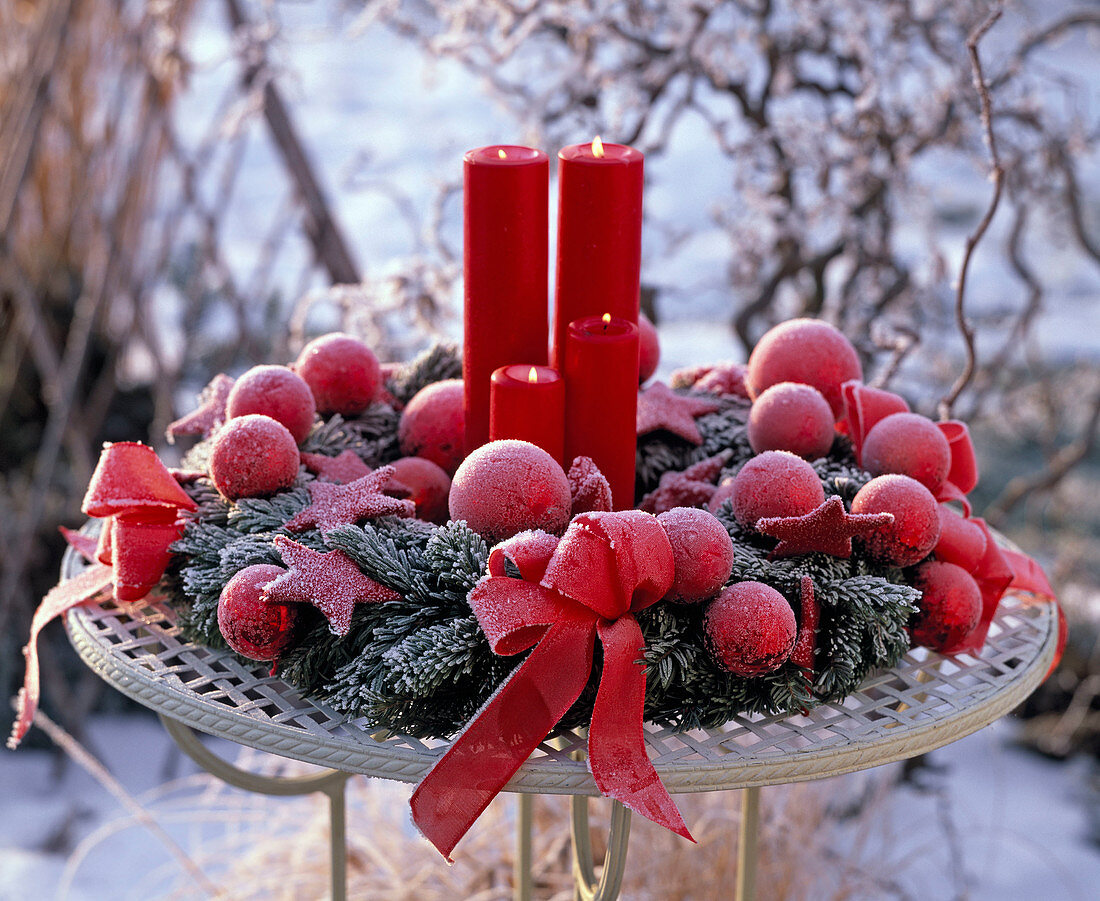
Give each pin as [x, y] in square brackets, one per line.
[926, 702]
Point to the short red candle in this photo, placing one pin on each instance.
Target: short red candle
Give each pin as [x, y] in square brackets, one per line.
[506, 220]
[599, 235]
[601, 399]
[528, 402]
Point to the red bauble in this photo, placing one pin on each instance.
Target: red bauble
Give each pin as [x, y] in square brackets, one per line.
[433, 425]
[962, 541]
[277, 392]
[908, 444]
[649, 348]
[808, 351]
[916, 527]
[253, 456]
[702, 551]
[250, 625]
[341, 371]
[750, 628]
[775, 483]
[792, 417]
[506, 487]
[428, 486]
[949, 608]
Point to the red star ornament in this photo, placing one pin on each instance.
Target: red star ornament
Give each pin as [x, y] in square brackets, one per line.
[337, 505]
[828, 529]
[211, 411]
[659, 407]
[329, 581]
[693, 487]
[347, 467]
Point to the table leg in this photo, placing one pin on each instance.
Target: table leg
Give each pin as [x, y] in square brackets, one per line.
[523, 887]
[746, 851]
[614, 864]
[331, 783]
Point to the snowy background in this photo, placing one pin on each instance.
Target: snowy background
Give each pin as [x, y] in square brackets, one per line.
[385, 126]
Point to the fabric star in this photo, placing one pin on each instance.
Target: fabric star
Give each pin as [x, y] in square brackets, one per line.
[693, 487]
[659, 407]
[588, 486]
[335, 505]
[329, 581]
[211, 411]
[829, 529]
[347, 467]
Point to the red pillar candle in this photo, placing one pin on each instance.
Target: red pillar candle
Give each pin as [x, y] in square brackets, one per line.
[599, 235]
[528, 402]
[601, 399]
[506, 210]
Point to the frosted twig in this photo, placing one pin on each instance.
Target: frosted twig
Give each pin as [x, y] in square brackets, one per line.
[997, 175]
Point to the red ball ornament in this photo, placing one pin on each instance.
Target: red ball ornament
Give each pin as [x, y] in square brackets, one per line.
[702, 552]
[750, 628]
[792, 417]
[774, 483]
[649, 348]
[253, 456]
[916, 526]
[808, 351]
[277, 392]
[949, 608]
[509, 486]
[961, 542]
[433, 425]
[429, 487]
[908, 444]
[341, 371]
[250, 625]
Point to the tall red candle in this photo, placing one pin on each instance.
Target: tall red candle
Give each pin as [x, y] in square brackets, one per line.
[506, 220]
[599, 235]
[528, 402]
[601, 399]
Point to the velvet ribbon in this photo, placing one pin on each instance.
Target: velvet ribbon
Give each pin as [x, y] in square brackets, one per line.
[569, 594]
[141, 500]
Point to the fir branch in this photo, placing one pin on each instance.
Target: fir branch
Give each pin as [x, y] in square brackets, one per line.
[268, 514]
[440, 361]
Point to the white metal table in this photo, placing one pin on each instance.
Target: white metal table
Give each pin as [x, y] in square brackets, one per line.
[927, 701]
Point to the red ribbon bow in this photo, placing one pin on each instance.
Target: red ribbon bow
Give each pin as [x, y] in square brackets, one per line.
[605, 568]
[133, 488]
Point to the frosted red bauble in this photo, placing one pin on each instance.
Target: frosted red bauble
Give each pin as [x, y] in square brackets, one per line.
[949, 608]
[429, 486]
[808, 351]
[649, 348]
[702, 551]
[750, 628]
[908, 444]
[792, 417]
[253, 456]
[774, 483]
[433, 425]
[277, 392]
[916, 526]
[341, 371]
[251, 626]
[961, 541]
[506, 487]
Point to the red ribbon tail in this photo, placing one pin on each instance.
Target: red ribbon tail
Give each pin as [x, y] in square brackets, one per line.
[1028, 576]
[503, 734]
[616, 747]
[58, 599]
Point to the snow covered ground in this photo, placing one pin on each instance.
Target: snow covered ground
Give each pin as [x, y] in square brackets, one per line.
[989, 822]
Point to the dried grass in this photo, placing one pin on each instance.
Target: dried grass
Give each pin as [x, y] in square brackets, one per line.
[259, 847]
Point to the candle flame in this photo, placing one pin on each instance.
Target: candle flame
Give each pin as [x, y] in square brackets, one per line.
[533, 375]
[607, 319]
[502, 154]
[597, 148]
